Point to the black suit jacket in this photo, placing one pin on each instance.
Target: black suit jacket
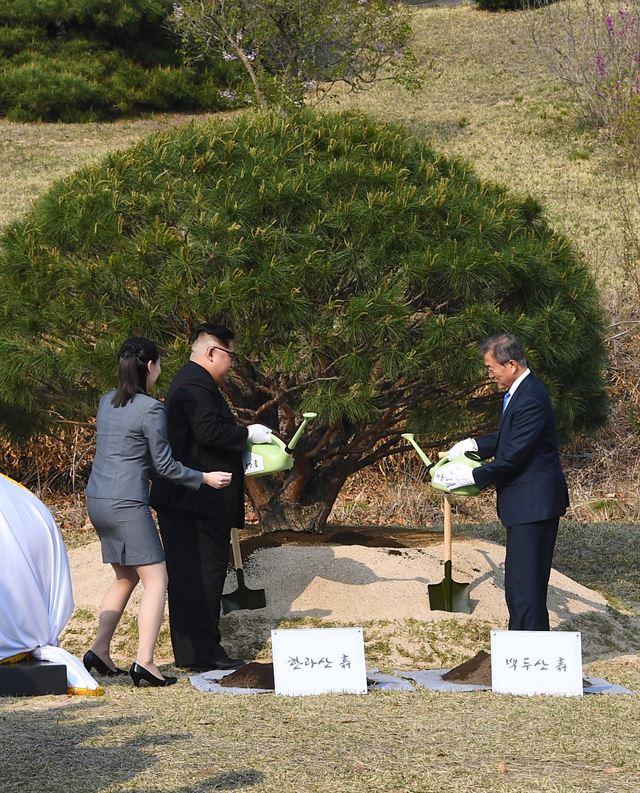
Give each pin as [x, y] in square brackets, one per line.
[526, 471]
[204, 435]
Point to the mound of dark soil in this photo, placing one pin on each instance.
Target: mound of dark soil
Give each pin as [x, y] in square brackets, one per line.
[476, 670]
[371, 536]
[251, 675]
[359, 538]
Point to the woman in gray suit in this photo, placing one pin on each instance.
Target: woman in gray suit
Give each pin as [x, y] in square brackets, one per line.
[131, 447]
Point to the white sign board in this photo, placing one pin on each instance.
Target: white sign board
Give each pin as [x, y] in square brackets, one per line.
[318, 661]
[536, 662]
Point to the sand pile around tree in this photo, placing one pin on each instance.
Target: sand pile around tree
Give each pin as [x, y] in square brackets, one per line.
[348, 584]
[310, 581]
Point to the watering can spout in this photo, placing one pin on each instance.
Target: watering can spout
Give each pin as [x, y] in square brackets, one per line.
[409, 436]
[294, 441]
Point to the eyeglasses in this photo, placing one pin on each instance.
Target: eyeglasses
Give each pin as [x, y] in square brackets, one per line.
[493, 369]
[230, 353]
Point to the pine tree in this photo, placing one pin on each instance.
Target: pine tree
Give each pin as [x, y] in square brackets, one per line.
[357, 266]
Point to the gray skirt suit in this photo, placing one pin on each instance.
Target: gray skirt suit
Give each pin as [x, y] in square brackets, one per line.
[131, 448]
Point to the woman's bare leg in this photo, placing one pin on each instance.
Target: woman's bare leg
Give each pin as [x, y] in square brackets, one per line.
[113, 604]
[150, 613]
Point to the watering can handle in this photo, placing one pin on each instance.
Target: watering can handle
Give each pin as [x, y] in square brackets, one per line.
[307, 417]
[442, 461]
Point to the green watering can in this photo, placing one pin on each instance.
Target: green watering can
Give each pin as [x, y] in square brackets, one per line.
[261, 459]
[467, 458]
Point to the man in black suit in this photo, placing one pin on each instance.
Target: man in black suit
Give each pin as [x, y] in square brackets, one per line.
[196, 525]
[531, 488]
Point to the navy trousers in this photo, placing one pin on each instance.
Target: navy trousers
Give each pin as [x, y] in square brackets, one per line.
[527, 568]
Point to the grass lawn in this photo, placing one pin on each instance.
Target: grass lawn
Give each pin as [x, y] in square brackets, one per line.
[33, 156]
[491, 101]
[182, 741]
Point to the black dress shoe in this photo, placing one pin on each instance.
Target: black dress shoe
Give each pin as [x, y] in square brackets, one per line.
[93, 661]
[219, 663]
[228, 663]
[141, 675]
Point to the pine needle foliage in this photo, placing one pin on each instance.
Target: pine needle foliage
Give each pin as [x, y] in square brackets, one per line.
[358, 267]
[85, 60]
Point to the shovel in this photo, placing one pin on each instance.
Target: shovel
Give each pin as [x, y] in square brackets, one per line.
[242, 597]
[449, 595]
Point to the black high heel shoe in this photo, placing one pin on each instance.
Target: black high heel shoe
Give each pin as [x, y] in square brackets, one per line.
[139, 674]
[91, 661]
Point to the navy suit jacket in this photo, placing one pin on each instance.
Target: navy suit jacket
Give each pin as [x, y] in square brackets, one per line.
[526, 470]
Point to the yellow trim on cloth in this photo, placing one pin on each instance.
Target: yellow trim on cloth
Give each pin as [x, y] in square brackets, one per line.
[35, 582]
[9, 479]
[14, 659]
[86, 692]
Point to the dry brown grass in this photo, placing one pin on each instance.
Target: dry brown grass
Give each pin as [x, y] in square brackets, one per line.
[180, 741]
[496, 105]
[33, 156]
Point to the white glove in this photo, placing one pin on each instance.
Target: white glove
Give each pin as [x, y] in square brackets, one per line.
[467, 445]
[454, 476]
[258, 433]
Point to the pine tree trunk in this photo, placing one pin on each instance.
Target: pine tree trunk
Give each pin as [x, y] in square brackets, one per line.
[301, 504]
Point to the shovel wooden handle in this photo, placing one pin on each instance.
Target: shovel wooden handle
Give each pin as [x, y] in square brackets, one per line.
[235, 545]
[447, 528]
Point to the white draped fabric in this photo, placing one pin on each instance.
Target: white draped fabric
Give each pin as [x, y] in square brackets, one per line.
[36, 598]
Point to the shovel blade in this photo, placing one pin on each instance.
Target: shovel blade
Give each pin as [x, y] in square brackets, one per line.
[449, 595]
[243, 597]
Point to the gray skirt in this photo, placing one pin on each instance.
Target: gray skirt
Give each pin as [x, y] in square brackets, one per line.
[127, 533]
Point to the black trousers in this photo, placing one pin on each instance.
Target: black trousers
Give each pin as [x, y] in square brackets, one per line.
[527, 568]
[197, 555]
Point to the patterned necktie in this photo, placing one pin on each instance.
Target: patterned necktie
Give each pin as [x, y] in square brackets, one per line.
[505, 400]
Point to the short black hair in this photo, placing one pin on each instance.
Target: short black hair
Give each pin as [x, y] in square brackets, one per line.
[504, 347]
[224, 334]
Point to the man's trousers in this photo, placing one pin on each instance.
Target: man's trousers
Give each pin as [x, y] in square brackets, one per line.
[526, 573]
[197, 555]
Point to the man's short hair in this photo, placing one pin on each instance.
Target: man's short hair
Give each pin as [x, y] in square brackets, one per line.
[504, 347]
[223, 334]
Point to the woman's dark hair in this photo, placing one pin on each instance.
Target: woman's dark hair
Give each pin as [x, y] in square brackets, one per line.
[133, 357]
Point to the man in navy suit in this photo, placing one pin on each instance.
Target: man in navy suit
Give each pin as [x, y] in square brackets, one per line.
[530, 486]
